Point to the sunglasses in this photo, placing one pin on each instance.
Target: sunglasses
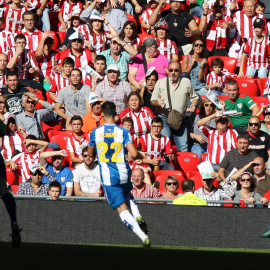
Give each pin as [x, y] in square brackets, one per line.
[85, 155]
[174, 70]
[218, 6]
[211, 105]
[198, 45]
[38, 173]
[254, 124]
[77, 40]
[245, 179]
[170, 183]
[31, 102]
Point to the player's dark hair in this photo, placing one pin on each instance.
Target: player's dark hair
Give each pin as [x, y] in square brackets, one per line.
[109, 109]
[100, 58]
[157, 119]
[28, 12]
[74, 118]
[128, 120]
[232, 82]
[12, 73]
[243, 136]
[31, 137]
[68, 61]
[187, 185]
[217, 62]
[55, 184]
[260, 4]
[76, 69]
[20, 36]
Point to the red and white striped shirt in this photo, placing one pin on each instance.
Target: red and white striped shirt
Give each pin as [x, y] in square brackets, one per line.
[58, 83]
[3, 81]
[85, 58]
[244, 25]
[216, 37]
[67, 8]
[84, 29]
[10, 143]
[32, 39]
[47, 62]
[23, 160]
[227, 3]
[99, 41]
[6, 41]
[213, 78]
[24, 62]
[268, 29]
[75, 146]
[13, 22]
[133, 165]
[156, 148]
[146, 15]
[219, 144]
[135, 139]
[167, 48]
[35, 4]
[141, 120]
[135, 45]
[258, 53]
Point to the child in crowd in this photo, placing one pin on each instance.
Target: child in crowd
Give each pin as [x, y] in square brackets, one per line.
[54, 190]
[216, 79]
[61, 79]
[257, 49]
[128, 124]
[77, 141]
[31, 155]
[152, 4]
[100, 67]
[260, 8]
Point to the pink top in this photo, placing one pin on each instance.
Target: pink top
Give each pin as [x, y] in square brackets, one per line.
[160, 63]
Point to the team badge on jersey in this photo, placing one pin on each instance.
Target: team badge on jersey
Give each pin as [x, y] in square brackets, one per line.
[263, 139]
[239, 105]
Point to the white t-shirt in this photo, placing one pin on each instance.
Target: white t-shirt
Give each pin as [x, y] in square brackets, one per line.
[89, 179]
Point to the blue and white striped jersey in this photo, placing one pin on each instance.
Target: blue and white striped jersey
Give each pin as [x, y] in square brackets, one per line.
[109, 141]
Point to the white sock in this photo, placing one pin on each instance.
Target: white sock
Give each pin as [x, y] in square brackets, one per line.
[132, 224]
[132, 205]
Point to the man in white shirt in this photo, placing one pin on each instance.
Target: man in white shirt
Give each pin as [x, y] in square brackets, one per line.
[86, 177]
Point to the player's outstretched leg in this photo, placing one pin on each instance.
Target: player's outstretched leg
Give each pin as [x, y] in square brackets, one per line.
[135, 212]
[132, 224]
[10, 205]
[266, 234]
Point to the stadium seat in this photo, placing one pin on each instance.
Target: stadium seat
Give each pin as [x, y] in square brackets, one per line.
[228, 204]
[48, 97]
[131, 18]
[261, 84]
[188, 161]
[161, 180]
[260, 102]
[197, 178]
[247, 86]
[203, 157]
[51, 126]
[143, 37]
[229, 62]
[15, 188]
[61, 36]
[11, 177]
[166, 173]
[62, 133]
[142, 29]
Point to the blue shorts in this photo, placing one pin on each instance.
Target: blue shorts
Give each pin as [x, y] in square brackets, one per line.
[262, 72]
[116, 194]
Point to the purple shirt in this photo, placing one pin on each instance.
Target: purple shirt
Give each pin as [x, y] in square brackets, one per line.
[160, 63]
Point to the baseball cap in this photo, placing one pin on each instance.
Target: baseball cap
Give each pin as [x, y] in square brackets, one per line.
[9, 116]
[96, 17]
[162, 24]
[113, 67]
[258, 23]
[93, 97]
[34, 167]
[76, 35]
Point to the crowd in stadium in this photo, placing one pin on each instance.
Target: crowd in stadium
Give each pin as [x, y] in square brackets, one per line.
[156, 60]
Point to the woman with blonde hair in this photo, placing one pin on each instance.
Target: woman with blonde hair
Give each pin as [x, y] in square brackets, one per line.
[171, 184]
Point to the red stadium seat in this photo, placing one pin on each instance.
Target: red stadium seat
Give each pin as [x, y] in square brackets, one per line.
[143, 37]
[203, 157]
[166, 173]
[228, 204]
[51, 126]
[161, 180]
[55, 39]
[261, 84]
[131, 18]
[188, 161]
[229, 62]
[11, 177]
[61, 36]
[48, 97]
[62, 133]
[247, 86]
[15, 188]
[197, 20]
[261, 101]
[197, 178]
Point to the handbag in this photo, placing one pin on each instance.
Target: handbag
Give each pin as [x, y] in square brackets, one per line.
[175, 118]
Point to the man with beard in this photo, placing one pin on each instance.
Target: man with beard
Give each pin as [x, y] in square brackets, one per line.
[86, 176]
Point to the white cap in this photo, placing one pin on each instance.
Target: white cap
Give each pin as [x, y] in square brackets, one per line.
[102, 1]
[93, 97]
[34, 167]
[113, 67]
[76, 35]
[96, 17]
[7, 116]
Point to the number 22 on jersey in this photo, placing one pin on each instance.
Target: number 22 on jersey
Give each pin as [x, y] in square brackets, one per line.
[116, 146]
